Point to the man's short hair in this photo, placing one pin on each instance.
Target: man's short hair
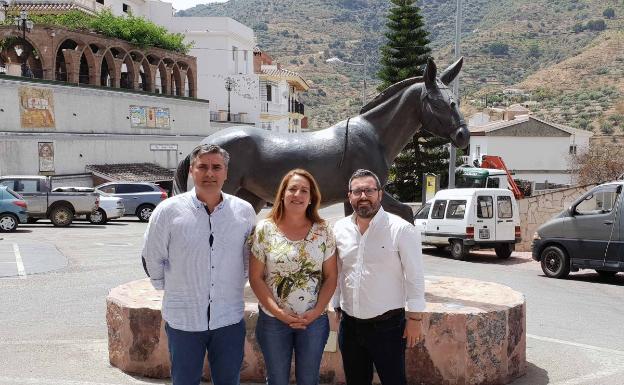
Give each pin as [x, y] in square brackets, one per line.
[209, 149]
[362, 173]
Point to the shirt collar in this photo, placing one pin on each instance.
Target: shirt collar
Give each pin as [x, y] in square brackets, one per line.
[199, 204]
[376, 219]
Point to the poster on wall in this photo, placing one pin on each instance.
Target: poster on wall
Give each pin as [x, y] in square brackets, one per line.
[149, 117]
[46, 156]
[36, 107]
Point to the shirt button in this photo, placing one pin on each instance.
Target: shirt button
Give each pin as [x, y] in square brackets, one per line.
[213, 267]
[213, 284]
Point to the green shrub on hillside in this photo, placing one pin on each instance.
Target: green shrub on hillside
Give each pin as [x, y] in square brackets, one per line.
[609, 13]
[133, 29]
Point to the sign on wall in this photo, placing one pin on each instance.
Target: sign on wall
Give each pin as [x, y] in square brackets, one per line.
[46, 156]
[36, 107]
[149, 117]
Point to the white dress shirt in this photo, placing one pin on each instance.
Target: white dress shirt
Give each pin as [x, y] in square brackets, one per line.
[194, 274]
[381, 269]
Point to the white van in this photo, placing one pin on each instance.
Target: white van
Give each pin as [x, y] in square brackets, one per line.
[471, 218]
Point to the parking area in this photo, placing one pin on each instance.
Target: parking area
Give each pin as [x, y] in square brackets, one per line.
[54, 327]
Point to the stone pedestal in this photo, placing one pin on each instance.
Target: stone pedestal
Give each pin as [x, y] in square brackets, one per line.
[474, 334]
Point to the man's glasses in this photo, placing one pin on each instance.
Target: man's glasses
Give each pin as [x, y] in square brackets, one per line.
[369, 192]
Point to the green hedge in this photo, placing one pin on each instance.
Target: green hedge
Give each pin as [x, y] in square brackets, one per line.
[133, 29]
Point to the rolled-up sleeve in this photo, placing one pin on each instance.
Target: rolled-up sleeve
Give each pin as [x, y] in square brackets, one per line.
[410, 252]
[156, 247]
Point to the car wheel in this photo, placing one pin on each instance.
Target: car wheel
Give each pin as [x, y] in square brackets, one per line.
[555, 262]
[503, 250]
[61, 216]
[144, 212]
[458, 250]
[8, 222]
[606, 273]
[98, 217]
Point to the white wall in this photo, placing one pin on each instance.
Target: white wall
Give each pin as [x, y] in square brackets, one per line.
[547, 154]
[101, 110]
[99, 133]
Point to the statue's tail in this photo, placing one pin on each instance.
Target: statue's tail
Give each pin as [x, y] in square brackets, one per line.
[180, 178]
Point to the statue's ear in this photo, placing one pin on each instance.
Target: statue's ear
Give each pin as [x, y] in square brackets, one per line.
[430, 74]
[449, 74]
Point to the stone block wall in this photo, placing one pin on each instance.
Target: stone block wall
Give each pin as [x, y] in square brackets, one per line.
[537, 210]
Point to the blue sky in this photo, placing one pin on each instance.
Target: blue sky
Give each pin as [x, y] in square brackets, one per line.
[185, 4]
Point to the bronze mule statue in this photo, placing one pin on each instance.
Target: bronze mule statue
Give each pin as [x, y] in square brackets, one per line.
[370, 140]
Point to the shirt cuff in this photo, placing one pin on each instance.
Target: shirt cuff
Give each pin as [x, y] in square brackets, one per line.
[159, 284]
[335, 302]
[416, 305]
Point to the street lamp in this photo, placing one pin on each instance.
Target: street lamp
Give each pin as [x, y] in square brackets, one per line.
[334, 60]
[25, 25]
[229, 86]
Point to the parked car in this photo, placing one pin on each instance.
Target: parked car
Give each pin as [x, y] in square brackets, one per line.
[12, 209]
[588, 235]
[471, 218]
[110, 207]
[139, 198]
[59, 207]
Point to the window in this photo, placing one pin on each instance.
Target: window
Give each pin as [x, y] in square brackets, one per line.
[505, 209]
[110, 189]
[423, 213]
[125, 8]
[100, 1]
[269, 93]
[599, 202]
[456, 209]
[133, 188]
[439, 207]
[485, 207]
[572, 149]
[13, 193]
[26, 186]
[493, 182]
[478, 153]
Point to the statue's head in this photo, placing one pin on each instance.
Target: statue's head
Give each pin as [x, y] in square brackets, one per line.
[441, 116]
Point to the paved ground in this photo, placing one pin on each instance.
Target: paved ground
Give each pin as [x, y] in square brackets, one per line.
[53, 330]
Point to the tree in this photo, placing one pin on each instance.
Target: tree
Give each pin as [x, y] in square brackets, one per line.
[609, 13]
[499, 49]
[403, 56]
[598, 164]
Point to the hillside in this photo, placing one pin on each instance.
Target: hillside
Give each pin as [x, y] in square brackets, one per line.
[543, 47]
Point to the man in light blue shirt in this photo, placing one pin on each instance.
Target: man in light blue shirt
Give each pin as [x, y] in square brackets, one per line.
[196, 251]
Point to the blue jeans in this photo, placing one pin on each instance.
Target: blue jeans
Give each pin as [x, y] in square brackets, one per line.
[278, 340]
[225, 354]
[381, 343]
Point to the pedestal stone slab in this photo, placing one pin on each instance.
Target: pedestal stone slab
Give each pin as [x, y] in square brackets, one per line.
[475, 333]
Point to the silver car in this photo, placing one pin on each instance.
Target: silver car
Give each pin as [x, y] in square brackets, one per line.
[110, 207]
[139, 198]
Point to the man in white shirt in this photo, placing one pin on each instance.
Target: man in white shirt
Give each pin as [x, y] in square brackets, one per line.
[380, 274]
[195, 250]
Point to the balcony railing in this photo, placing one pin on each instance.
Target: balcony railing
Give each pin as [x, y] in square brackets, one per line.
[296, 107]
[221, 117]
[271, 108]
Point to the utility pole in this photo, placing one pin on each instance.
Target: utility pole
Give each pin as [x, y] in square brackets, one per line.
[453, 150]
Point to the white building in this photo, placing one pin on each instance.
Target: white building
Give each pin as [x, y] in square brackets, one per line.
[223, 48]
[533, 149]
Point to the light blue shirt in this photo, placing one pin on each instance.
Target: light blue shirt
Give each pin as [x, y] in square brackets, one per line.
[194, 275]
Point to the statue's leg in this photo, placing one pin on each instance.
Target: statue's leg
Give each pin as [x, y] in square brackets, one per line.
[180, 178]
[393, 206]
[256, 202]
[348, 209]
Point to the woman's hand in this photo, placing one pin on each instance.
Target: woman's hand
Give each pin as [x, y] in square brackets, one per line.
[311, 315]
[291, 319]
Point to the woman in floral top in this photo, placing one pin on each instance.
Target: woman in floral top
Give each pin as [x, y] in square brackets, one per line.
[293, 273]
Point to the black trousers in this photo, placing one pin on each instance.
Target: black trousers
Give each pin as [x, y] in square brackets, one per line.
[367, 342]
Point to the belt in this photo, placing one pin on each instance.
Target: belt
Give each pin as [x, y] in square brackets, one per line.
[383, 317]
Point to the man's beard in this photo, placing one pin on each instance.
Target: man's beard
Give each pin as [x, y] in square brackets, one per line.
[366, 211]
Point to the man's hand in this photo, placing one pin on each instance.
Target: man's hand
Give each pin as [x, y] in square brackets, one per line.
[413, 332]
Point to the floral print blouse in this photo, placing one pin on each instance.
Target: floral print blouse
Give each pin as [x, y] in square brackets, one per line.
[293, 269]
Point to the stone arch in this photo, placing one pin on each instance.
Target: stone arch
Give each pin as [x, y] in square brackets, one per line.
[143, 71]
[192, 87]
[87, 67]
[127, 73]
[23, 53]
[176, 80]
[108, 70]
[160, 78]
[64, 65]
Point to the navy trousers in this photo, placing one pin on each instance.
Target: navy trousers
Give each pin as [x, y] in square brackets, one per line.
[381, 343]
[225, 354]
